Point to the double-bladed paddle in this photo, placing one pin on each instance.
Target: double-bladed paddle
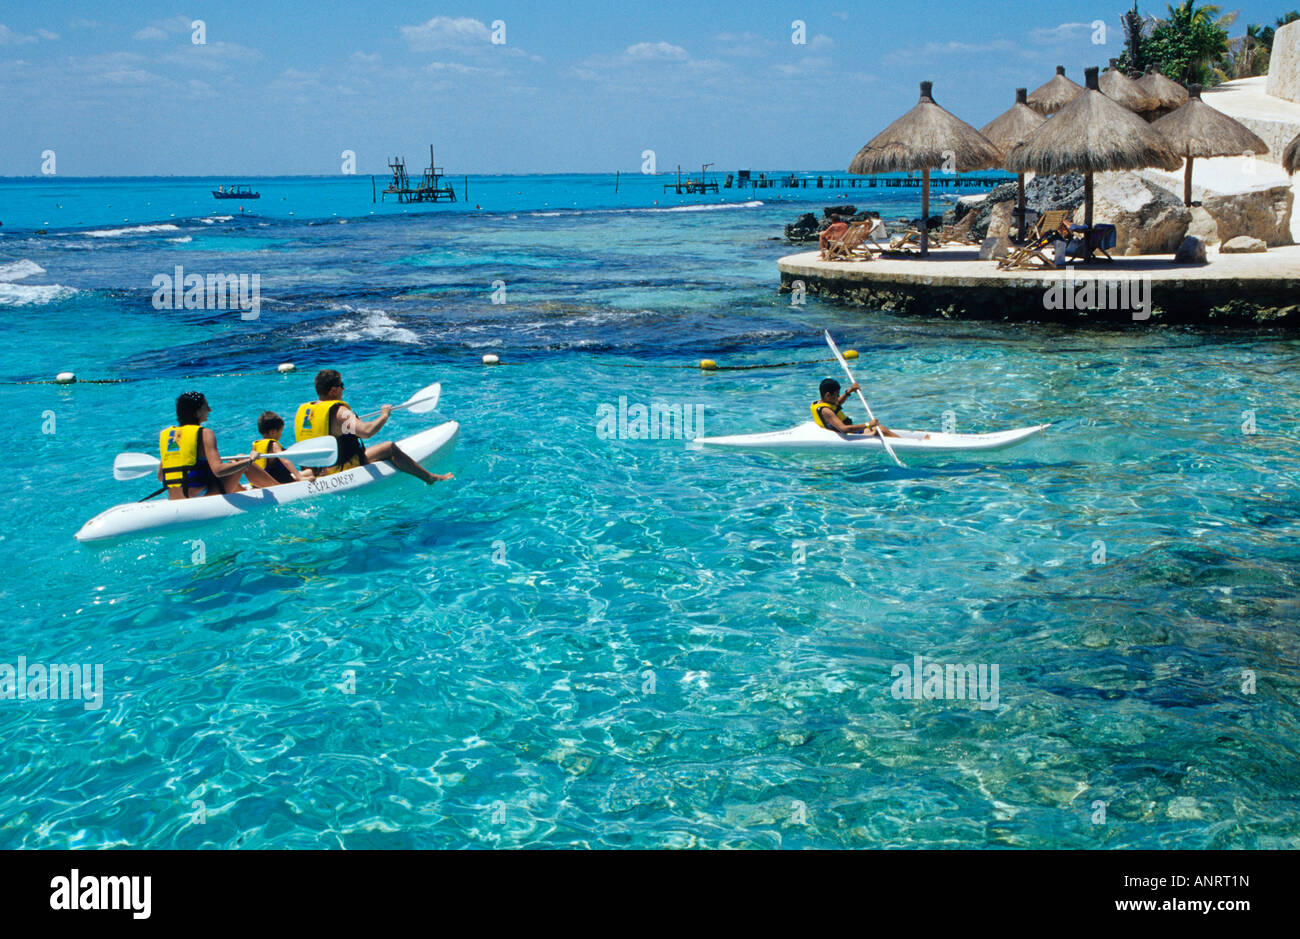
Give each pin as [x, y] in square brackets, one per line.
[319, 451]
[845, 365]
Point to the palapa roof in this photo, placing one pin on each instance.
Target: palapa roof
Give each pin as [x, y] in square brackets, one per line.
[1291, 156]
[1093, 134]
[1013, 125]
[925, 138]
[1055, 94]
[1117, 86]
[1198, 130]
[1166, 92]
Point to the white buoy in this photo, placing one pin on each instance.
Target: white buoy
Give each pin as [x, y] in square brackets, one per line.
[284, 368]
[65, 378]
[491, 359]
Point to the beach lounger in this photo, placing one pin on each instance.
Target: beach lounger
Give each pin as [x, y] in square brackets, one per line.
[1046, 232]
[855, 244]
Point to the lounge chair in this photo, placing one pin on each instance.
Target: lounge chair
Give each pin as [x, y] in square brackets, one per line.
[855, 244]
[1046, 231]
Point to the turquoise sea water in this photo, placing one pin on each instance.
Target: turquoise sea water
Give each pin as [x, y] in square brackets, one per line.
[605, 642]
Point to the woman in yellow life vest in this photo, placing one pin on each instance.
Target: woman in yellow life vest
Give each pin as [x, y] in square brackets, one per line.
[330, 415]
[191, 464]
[826, 411]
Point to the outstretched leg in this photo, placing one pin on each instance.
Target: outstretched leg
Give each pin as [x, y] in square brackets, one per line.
[393, 453]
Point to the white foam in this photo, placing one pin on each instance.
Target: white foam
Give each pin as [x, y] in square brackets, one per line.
[371, 323]
[17, 270]
[135, 230]
[216, 218]
[183, 239]
[32, 294]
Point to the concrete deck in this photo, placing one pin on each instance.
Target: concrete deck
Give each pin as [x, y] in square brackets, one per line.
[1232, 289]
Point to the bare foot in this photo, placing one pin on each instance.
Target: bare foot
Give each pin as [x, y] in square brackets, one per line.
[438, 478]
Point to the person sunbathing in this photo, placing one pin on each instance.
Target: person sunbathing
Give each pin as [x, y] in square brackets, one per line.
[834, 232]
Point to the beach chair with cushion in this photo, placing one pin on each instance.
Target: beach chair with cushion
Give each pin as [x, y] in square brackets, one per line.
[1046, 231]
[1103, 237]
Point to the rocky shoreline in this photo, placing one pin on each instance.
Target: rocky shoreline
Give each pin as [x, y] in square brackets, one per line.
[1150, 218]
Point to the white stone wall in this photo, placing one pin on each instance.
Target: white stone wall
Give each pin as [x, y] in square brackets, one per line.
[1284, 64]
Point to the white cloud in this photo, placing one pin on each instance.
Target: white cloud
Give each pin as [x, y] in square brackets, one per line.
[821, 41]
[10, 38]
[150, 32]
[1066, 32]
[365, 58]
[211, 55]
[655, 52]
[46, 34]
[444, 32]
[83, 23]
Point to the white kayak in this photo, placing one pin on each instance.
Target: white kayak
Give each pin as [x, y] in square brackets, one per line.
[810, 438]
[137, 518]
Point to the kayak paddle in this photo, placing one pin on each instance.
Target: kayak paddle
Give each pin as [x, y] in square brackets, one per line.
[845, 365]
[423, 401]
[319, 451]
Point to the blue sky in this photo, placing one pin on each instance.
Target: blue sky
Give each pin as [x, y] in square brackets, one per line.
[285, 87]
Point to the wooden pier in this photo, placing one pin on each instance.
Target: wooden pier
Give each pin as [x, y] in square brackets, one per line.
[430, 189]
[692, 186]
[745, 180]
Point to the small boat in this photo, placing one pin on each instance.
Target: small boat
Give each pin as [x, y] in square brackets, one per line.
[140, 518]
[810, 438]
[235, 192]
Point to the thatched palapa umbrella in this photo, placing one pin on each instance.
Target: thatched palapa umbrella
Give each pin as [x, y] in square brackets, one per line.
[1117, 86]
[1092, 134]
[1004, 132]
[1291, 156]
[1055, 94]
[1168, 94]
[926, 138]
[1198, 130]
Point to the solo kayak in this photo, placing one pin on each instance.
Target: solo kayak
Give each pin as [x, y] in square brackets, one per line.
[810, 438]
[137, 518]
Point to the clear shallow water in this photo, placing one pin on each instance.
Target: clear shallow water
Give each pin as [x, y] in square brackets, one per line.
[507, 704]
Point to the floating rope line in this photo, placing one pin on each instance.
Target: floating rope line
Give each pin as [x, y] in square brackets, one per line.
[123, 381]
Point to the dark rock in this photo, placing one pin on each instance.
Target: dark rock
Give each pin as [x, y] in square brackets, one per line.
[803, 229]
[845, 210]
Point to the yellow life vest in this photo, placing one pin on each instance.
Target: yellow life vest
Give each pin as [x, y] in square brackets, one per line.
[178, 449]
[262, 446]
[817, 413]
[313, 420]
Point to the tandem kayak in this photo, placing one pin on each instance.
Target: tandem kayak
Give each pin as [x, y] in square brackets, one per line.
[138, 518]
[810, 438]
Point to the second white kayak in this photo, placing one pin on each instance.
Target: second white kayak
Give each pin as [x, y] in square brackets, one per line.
[809, 438]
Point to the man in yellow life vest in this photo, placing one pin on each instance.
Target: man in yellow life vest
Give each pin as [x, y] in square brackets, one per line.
[330, 415]
[826, 411]
[191, 464]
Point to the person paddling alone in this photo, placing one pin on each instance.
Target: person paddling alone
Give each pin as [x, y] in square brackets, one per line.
[330, 415]
[826, 411]
[191, 464]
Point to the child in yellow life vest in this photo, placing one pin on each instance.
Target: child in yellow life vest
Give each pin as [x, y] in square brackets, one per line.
[826, 411]
[271, 425]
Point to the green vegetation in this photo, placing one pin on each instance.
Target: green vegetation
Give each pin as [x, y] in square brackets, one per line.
[1190, 44]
